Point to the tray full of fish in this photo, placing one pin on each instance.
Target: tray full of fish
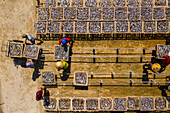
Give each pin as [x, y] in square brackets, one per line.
[92, 104]
[31, 51]
[80, 78]
[147, 104]
[78, 104]
[48, 77]
[164, 50]
[15, 49]
[61, 53]
[64, 104]
[120, 104]
[106, 104]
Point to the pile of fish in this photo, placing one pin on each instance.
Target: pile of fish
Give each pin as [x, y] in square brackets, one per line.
[64, 104]
[70, 13]
[81, 27]
[77, 3]
[15, 49]
[160, 103]
[57, 13]
[120, 104]
[133, 13]
[64, 3]
[136, 26]
[158, 13]
[133, 103]
[31, 51]
[52, 105]
[91, 3]
[61, 52]
[78, 104]
[121, 13]
[164, 49]
[53, 26]
[105, 3]
[132, 3]
[146, 13]
[105, 104]
[67, 26]
[48, 77]
[149, 26]
[121, 26]
[146, 103]
[92, 104]
[81, 78]
[119, 2]
[108, 27]
[43, 13]
[95, 14]
[167, 11]
[108, 13]
[82, 13]
[162, 26]
[50, 3]
[147, 3]
[160, 2]
[41, 26]
[94, 27]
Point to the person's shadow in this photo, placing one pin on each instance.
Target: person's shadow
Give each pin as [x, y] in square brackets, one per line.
[19, 61]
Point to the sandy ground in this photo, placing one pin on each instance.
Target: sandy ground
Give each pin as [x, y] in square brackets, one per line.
[17, 87]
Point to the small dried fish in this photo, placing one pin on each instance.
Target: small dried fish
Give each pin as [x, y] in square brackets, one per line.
[105, 3]
[158, 13]
[41, 27]
[70, 13]
[31, 51]
[133, 13]
[121, 13]
[82, 13]
[91, 3]
[108, 27]
[164, 50]
[160, 2]
[64, 3]
[167, 11]
[81, 78]
[108, 13]
[64, 104]
[15, 49]
[67, 26]
[132, 3]
[81, 27]
[149, 26]
[162, 26]
[120, 104]
[94, 27]
[77, 3]
[147, 103]
[95, 13]
[160, 103]
[57, 13]
[147, 3]
[78, 104]
[48, 77]
[119, 2]
[50, 3]
[133, 103]
[92, 104]
[135, 26]
[53, 26]
[43, 13]
[146, 13]
[61, 53]
[105, 103]
[122, 26]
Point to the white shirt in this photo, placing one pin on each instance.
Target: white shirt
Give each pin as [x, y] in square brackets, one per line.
[30, 37]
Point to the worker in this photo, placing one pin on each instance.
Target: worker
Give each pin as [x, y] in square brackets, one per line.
[166, 61]
[156, 67]
[61, 65]
[29, 64]
[30, 38]
[65, 41]
[40, 93]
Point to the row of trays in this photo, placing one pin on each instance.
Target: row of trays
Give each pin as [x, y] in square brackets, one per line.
[143, 103]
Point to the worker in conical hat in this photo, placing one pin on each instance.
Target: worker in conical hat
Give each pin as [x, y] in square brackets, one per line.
[156, 67]
[61, 65]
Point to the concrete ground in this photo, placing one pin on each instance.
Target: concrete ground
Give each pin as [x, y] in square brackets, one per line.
[17, 86]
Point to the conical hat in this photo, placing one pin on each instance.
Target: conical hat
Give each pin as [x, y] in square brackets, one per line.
[156, 67]
[59, 64]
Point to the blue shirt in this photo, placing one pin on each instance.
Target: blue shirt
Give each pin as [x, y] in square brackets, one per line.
[29, 64]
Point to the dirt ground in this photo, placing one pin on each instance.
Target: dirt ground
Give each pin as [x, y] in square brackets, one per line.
[18, 88]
